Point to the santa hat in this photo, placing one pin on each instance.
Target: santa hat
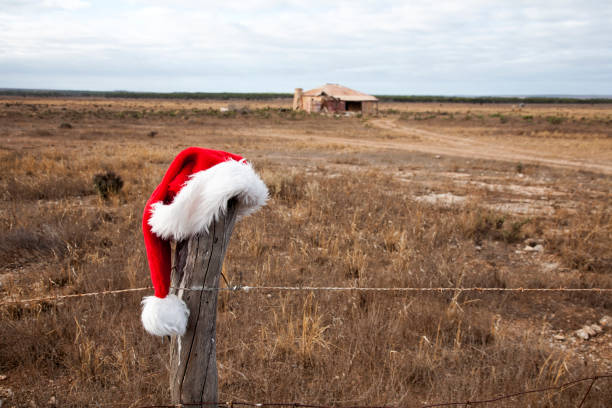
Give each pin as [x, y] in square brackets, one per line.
[193, 193]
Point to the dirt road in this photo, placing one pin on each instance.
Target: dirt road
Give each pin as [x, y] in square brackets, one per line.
[444, 144]
[435, 142]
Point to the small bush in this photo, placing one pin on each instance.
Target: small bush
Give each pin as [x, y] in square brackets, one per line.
[515, 233]
[108, 183]
[489, 225]
[554, 120]
[502, 118]
[65, 125]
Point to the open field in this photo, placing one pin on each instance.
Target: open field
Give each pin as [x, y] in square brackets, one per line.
[423, 195]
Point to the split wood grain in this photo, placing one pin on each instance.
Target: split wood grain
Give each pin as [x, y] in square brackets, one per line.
[198, 263]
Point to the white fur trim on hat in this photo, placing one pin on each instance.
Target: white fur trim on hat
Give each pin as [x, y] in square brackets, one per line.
[204, 196]
[164, 316]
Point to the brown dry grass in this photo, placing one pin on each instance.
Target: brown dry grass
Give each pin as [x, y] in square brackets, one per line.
[551, 130]
[346, 211]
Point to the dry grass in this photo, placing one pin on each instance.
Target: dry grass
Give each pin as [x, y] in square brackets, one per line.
[550, 130]
[343, 211]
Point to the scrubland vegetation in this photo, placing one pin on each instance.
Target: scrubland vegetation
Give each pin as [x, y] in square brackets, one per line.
[355, 201]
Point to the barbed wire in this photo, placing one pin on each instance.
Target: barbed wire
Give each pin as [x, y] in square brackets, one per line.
[561, 387]
[466, 403]
[397, 289]
[70, 296]
[238, 288]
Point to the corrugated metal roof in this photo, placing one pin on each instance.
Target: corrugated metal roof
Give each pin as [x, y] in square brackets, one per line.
[340, 92]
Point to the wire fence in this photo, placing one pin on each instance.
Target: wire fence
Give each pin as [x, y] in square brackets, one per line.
[466, 403]
[238, 288]
[247, 289]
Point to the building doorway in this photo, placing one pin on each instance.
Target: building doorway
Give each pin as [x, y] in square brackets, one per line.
[353, 106]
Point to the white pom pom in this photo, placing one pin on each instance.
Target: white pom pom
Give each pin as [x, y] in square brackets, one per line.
[164, 316]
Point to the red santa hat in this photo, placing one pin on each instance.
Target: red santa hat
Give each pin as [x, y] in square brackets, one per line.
[194, 191]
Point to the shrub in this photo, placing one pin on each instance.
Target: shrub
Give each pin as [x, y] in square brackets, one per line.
[554, 120]
[490, 225]
[107, 183]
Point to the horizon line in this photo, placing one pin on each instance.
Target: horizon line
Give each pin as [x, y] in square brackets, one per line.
[518, 96]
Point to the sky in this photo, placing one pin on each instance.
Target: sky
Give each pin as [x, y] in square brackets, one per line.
[467, 47]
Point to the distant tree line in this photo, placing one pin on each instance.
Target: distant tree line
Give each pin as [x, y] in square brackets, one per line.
[492, 99]
[144, 95]
[273, 95]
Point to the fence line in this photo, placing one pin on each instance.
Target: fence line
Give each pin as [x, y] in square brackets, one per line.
[71, 296]
[309, 289]
[467, 403]
[232, 404]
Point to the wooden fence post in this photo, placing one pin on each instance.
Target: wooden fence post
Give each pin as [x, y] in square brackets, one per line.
[198, 263]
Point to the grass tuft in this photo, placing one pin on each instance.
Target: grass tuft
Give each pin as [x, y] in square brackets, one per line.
[107, 184]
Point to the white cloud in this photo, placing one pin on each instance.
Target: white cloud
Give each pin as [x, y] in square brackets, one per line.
[396, 47]
[66, 4]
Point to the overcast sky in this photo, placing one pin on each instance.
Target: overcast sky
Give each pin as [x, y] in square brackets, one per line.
[384, 47]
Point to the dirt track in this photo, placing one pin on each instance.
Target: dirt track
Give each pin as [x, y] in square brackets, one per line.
[444, 144]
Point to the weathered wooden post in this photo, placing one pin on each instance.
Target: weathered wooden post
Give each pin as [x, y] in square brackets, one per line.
[198, 264]
[196, 204]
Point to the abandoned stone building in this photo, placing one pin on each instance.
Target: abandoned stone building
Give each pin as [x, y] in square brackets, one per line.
[334, 98]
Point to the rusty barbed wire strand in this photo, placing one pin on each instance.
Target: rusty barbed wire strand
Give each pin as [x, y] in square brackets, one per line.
[394, 289]
[73, 295]
[561, 387]
[314, 288]
[227, 404]
[587, 392]
[308, 289]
